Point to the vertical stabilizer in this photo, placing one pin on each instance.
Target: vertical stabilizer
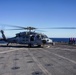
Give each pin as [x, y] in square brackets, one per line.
[2, 32]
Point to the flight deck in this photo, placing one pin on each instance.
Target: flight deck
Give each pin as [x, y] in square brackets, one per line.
[53, 60]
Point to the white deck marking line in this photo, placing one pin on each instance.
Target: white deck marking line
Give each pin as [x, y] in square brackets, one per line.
[8, 51]
[62, 57]
[45, 71]
[73, 50]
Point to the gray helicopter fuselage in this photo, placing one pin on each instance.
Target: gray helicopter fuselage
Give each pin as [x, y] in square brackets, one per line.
[29, 38]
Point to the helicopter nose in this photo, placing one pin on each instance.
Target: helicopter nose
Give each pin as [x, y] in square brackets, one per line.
[44, 41]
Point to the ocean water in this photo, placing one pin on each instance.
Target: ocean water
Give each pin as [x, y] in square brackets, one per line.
[60, 39]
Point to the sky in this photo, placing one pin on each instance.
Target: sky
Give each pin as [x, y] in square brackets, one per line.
[39, 14]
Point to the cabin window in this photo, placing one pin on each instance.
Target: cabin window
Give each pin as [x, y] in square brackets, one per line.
[38, 36]
[32, 38]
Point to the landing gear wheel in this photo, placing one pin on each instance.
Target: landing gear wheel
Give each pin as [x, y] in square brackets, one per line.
[29, 45]
[7, 44]
[39, 45]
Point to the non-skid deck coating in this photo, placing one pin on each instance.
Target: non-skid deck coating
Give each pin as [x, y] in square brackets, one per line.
[56, 60]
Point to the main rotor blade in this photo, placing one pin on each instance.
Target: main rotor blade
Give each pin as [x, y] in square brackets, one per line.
[27, 28]
[40, 30]
[59, 28]
[33, 28]
[13, 29]
[13, 26]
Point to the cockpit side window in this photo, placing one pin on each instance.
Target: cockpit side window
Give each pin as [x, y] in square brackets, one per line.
[42, 36]
[38, 36]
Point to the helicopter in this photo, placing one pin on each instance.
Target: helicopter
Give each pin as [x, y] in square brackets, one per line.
[30, 37]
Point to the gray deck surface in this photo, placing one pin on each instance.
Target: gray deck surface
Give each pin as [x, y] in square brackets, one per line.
[56, 60]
